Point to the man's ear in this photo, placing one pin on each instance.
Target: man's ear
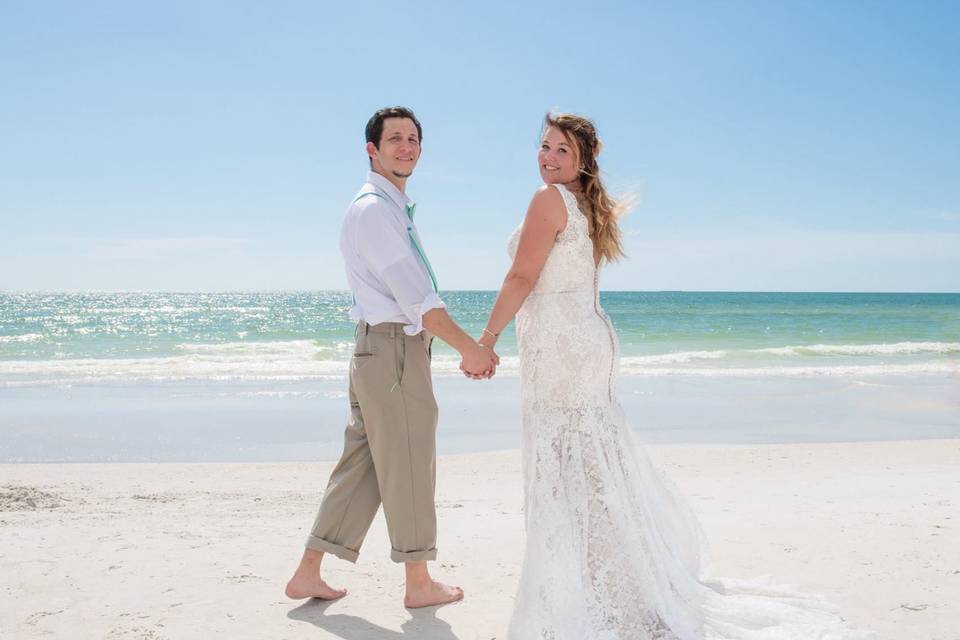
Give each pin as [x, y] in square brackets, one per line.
[372, 150]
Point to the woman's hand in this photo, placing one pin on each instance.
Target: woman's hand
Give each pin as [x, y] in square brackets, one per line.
[488, 339]
[479, 362]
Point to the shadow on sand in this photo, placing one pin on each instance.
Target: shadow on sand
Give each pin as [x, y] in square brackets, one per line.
[423, 624]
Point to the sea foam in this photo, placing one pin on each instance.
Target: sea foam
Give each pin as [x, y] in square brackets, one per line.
[304, 360]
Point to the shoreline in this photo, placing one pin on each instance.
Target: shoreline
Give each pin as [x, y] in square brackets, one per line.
[304, 421]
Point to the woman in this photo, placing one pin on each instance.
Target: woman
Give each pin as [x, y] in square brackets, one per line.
[611, 553]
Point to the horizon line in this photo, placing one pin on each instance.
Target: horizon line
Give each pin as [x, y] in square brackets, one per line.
[347, 291]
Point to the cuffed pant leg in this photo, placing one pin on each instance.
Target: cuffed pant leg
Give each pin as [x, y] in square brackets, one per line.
[413, 556]
[353, 495]
[403, 445]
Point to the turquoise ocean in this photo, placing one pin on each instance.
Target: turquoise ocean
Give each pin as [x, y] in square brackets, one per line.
[91, 338]
[262, 376]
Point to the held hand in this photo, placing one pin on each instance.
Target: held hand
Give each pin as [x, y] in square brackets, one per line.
[481, 376]
[489, 341]
[496, 362]
[479, 362]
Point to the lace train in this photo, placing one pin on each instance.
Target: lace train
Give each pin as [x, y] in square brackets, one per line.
[612, 551]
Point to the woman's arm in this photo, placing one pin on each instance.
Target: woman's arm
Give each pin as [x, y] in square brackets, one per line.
[546, 217]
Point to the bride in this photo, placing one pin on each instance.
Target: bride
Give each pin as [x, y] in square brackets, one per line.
[611, 552]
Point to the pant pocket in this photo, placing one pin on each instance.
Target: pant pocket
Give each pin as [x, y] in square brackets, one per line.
[363, 352]
[359, 360]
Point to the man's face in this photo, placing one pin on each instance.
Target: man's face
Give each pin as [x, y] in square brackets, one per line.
[399, 148]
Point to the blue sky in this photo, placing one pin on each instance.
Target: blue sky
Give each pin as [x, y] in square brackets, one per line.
[214, 145]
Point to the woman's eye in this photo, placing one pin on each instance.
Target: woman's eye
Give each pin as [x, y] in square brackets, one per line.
[562, 150]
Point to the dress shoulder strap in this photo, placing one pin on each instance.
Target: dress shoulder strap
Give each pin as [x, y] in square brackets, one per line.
[565, 194]
[575, 216]
[569, 199]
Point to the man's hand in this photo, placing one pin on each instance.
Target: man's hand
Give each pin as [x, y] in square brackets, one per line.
[488, 341]
[479, 362]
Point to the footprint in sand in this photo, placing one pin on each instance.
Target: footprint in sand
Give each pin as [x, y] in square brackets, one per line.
[26, 498]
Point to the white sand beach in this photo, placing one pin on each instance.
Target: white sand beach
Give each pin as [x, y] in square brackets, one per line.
[202, 550]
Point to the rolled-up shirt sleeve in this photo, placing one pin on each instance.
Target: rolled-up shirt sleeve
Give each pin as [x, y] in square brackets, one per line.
[383, 243]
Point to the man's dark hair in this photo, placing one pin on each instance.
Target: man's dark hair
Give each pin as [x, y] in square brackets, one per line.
[375, 124]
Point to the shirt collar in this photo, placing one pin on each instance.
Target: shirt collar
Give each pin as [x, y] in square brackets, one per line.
[398, 197]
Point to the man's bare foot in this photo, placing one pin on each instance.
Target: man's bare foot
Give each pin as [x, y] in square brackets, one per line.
[432, 593]
[306, 581]
[301, 587]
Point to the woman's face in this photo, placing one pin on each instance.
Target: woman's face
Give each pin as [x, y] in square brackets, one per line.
[558, 158]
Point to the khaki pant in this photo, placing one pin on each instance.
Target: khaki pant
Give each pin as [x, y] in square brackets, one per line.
[389, 451]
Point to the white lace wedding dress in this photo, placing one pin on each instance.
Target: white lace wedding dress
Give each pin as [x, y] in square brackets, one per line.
[612, 553]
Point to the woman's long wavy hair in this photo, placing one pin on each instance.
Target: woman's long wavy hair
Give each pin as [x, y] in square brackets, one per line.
[604, 211]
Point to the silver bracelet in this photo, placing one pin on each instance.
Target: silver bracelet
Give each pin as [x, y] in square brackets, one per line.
[495, 335]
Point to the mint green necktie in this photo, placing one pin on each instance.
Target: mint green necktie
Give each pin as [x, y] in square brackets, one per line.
[410, 210]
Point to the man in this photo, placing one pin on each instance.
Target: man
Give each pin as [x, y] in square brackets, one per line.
[389, 452]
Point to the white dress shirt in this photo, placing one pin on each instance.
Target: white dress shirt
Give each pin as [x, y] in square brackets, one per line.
[389, 280]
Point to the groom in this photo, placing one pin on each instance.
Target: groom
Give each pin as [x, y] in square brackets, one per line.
[389, 452]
